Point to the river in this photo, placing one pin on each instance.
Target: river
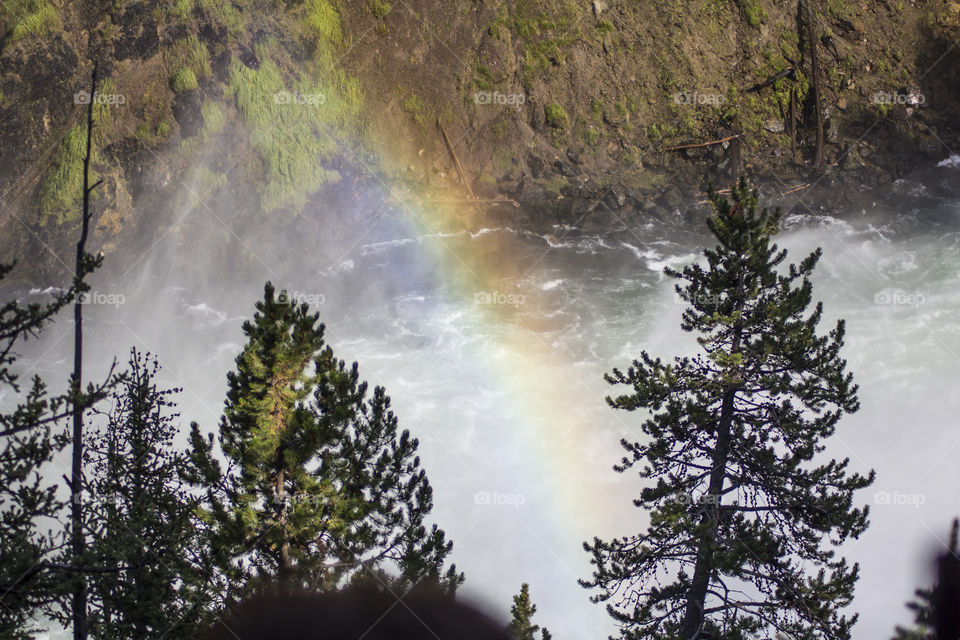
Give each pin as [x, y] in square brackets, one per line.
[493, 344]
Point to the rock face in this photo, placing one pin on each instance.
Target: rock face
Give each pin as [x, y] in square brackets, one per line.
[541, 101]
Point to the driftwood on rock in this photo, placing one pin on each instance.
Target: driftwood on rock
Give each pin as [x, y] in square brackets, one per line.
[455, 160]
[694, 145]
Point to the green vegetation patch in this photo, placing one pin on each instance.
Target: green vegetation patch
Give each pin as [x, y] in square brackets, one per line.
[753, 13]
[225, 12]
[323, 26]
[61, 190]
[213, 118]
[556, 115]
[183, 80]
[60, 194]
[379, 8]
[25, 18]
[297, 129]
[546, 28]
[191, 53]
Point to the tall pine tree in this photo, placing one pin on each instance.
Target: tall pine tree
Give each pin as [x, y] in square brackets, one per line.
[27, 443]
[320, 488]
[152, 568]
[31, 578]
[521, 625]
[742, 516]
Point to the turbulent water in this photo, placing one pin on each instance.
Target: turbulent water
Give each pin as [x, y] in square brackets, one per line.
[501, 379]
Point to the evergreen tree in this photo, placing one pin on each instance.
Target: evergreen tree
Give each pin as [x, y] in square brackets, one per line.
[742, 519]
[923, 606]
[521, 626]
[319, 489]
[27, 442]
[150, 582]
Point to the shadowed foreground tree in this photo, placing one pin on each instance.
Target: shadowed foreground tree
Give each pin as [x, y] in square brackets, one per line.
[320, 489]
[928, 616]
[368, 613]
[742, 516]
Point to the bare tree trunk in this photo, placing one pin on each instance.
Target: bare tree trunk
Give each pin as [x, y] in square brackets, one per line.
[693, 617]
[793, 122]
[78, 541]
[815, 67]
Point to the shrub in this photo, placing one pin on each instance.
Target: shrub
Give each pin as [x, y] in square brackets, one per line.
[183, 80]
[556, 115]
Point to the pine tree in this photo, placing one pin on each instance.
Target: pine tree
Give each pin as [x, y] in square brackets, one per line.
[742, 519]
[144, 541]
[521, 626]
[923, 606]
[320, 489]
[27, 442]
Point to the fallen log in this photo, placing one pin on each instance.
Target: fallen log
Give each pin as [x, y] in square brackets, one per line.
[701, 144]
[455, 159]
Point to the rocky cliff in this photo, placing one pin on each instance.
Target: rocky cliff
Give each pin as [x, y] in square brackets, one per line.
[269, 113]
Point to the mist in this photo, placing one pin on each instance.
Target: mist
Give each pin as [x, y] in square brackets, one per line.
[493, 342]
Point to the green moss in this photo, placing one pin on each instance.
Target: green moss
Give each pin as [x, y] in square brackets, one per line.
[182, 9]
[413, 105]
[183, 80]
[837, 8]
[546, 29]
[591, 135]
[753, 13]
[61, 190]
[213, 118]
[223, 11]
[379, 8]
[27, 18]
[482, 77]
[163, 130]
[556, 115]
[187, 60]
[295, 130]
[323, 24]
[597, 108]
[604, 27]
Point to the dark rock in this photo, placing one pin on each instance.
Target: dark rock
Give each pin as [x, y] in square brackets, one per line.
[615, 198]
[538, 119]
[248, 57]
[536, 165]
[612, 117]
[186, 109]
[565, 169]
[671, 199]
